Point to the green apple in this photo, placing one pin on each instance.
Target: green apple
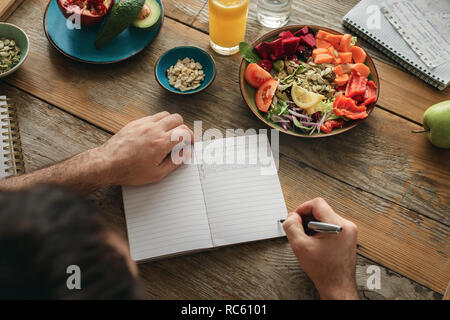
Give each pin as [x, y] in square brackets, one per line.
[436, 122]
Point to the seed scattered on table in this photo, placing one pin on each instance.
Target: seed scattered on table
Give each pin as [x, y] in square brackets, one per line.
[186, 75]
[9, 54]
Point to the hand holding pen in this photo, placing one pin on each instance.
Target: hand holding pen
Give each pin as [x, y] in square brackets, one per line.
[329, 259]
[315, 226]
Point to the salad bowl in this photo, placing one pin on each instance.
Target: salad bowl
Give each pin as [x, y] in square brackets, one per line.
[248, 91]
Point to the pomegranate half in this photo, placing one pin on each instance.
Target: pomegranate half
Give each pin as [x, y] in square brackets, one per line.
[91, 11]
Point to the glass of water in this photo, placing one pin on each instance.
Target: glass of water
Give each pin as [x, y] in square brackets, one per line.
[274, 13]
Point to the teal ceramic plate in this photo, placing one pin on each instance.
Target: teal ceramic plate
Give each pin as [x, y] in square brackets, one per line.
[171, 57]
[79, 44]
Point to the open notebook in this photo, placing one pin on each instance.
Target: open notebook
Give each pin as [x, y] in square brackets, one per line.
[205, 205]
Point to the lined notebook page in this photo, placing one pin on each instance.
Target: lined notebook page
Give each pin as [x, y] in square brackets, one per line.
[167, 217]
[244, 202]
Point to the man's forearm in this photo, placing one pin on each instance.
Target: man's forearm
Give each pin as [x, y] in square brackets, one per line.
[82, 173]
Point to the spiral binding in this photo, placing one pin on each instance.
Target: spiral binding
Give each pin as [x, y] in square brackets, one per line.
[404, 62]
[13, 157]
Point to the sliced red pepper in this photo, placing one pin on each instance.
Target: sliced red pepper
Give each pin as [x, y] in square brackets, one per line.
[347, 107]
[356, 116]
[341, 88]
[370, 95]
[359, 98]
[329, 125]
[356, 85]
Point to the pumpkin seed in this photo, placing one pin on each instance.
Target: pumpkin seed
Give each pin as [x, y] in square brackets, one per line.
[186, 74]
[317, 78]
[9, 54]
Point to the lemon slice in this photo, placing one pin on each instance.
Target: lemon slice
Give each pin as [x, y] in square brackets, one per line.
[304, 98]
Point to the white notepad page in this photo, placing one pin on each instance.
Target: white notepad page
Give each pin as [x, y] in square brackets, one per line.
[244, 202]
[207, 204]
[167, 217]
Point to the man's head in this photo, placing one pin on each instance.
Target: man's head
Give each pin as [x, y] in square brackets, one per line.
[44, 231]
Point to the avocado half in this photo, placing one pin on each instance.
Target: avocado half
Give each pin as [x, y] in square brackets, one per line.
[149, 17]
[121, 16]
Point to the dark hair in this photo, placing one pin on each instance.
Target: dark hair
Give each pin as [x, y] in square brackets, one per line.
[45, 230]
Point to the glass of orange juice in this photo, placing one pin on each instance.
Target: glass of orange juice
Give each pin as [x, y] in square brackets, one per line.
[227, 23]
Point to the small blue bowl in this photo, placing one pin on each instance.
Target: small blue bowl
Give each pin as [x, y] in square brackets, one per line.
[171, 57]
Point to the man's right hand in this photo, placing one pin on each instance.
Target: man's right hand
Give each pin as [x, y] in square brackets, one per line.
[328, 259]
[140, 152]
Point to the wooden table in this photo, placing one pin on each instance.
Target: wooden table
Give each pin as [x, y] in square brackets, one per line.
[393, 184]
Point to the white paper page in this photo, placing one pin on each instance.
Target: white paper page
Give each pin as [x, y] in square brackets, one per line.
[167, 217]
[244, 202]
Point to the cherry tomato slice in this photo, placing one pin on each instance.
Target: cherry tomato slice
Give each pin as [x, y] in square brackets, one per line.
[265, 93]
[256, 76]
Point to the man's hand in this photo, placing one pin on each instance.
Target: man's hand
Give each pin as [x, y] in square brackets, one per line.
[328, 259]
[140, 152]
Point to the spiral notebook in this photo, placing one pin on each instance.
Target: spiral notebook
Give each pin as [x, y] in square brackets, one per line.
[204, 205]
[387, 39]
[11, 160]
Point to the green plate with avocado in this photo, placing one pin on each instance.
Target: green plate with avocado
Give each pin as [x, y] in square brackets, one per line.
[105, 42]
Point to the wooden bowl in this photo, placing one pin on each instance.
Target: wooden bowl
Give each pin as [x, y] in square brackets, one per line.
[248, 92]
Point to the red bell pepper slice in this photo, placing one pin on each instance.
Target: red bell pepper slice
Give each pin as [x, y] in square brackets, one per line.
[347, 107]
[370, 95]
[356, 85]
[329, 125]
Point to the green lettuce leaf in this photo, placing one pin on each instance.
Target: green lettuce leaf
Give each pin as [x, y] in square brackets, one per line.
[281, 109]
[248, 52]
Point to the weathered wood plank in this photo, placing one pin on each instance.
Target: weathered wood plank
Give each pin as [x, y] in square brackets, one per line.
[447, 293]
[400, 92]
[183, 11]
[111, 96]
[7, 7]
[389, 234]
[258, 270]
